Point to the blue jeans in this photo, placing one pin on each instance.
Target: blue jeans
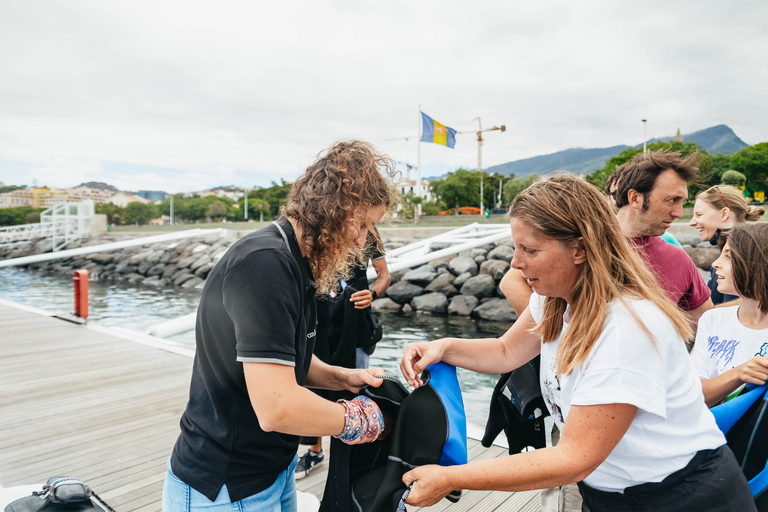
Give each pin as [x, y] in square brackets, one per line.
[280, 497]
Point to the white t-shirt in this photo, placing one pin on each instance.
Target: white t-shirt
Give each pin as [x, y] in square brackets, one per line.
[672, 421]
[723, 343]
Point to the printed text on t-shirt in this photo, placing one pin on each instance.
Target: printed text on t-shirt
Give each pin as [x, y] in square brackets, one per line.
[722, 349]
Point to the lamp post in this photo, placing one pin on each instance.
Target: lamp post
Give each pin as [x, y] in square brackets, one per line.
[245, 206]
[171, 208]
[645, 123]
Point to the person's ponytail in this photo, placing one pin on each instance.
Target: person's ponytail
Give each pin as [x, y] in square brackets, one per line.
[754, 213]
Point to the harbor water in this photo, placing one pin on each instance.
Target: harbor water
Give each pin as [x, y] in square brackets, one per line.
[136, 307]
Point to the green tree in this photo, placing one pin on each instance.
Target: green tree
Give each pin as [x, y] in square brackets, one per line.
[752, 162]
[600, 177]
[32, 218]
[274, 196]
[113, 212]
[259, 205]
[734, 179]
[460, 188]
[516, 185]
[18, 215]
[140, 213]
[433, 207]
[9, 188]
[718, 164]
[216, 210]
[195, 209]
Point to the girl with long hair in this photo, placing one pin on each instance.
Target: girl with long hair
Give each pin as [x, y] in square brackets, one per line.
[717, 210]
[615, 371]
[732, 342]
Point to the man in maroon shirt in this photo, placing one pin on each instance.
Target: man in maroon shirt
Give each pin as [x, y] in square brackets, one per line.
[650, 192]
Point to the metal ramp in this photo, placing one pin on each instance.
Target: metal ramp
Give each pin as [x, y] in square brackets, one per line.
[62, 223]
[439, 246]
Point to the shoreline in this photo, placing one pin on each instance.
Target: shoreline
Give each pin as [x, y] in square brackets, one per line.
[464, 284]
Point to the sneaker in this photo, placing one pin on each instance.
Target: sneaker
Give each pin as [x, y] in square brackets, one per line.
[307, 463]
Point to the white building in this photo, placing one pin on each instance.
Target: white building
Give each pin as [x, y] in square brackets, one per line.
[233, 196]
[405, 186]
[122, 199]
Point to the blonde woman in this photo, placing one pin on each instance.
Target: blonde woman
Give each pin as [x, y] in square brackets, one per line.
[615, 372]
[717, 210]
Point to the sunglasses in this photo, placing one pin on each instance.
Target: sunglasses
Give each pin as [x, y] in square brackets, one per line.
[721, 194]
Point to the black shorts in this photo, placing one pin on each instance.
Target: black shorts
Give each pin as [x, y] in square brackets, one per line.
[712, 481]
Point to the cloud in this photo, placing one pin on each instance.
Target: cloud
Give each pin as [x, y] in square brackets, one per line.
[198, 94]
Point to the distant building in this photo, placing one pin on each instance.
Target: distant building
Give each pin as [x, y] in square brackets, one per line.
[153, 195]
[45, 197]
[29, 196]
[678, 136]
[16, 198]
[122, 199]
[76, 195]
[233, 196]
[406, 186]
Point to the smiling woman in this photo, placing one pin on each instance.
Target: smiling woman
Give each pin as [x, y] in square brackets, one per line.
[717, 210]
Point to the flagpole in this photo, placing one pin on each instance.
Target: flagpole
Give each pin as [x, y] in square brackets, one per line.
[418, 169]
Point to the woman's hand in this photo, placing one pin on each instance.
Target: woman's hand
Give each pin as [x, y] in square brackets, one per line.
[430, 485]
[417, 356]
[361, 299]
[355, 379]
[754, 371]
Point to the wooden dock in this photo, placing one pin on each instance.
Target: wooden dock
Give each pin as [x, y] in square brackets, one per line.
[81, 402]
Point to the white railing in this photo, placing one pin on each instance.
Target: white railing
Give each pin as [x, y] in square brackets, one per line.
[69, 221]
[62, 223]
[25, 232]
[112, 246]
[453, 242]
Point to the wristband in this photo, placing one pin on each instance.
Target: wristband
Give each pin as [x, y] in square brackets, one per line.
[374, 294]
[363, 421]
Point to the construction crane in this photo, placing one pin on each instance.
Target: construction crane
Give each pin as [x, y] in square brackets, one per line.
[479, 133]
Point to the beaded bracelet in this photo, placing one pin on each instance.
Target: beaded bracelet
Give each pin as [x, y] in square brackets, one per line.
[363, 421]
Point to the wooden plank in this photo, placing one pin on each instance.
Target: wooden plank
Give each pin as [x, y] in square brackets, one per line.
[76, 402]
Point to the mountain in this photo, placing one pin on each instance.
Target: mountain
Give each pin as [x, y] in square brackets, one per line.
[717, 139]
[575, 160]
[99, 185]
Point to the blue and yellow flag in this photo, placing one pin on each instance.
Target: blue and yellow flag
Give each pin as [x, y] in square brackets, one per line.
[432, 131]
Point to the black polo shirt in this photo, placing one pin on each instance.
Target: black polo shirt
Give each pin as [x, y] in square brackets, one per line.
[258, 305]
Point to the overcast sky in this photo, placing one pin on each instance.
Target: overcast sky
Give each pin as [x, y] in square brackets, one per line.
[186, 95]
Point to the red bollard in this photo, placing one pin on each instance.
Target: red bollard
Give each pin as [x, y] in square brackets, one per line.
[81, 293]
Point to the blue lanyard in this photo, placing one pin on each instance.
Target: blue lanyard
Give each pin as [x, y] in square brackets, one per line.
[401, 506]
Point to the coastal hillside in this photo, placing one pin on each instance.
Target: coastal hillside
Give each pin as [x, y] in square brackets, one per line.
[717, 139]
[575, 160]
[100, 185]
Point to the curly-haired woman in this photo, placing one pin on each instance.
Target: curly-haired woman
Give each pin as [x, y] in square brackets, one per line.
[254, 336]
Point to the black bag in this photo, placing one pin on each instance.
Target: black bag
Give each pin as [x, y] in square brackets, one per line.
[429, 428]
[518, 408]
[61, 494]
